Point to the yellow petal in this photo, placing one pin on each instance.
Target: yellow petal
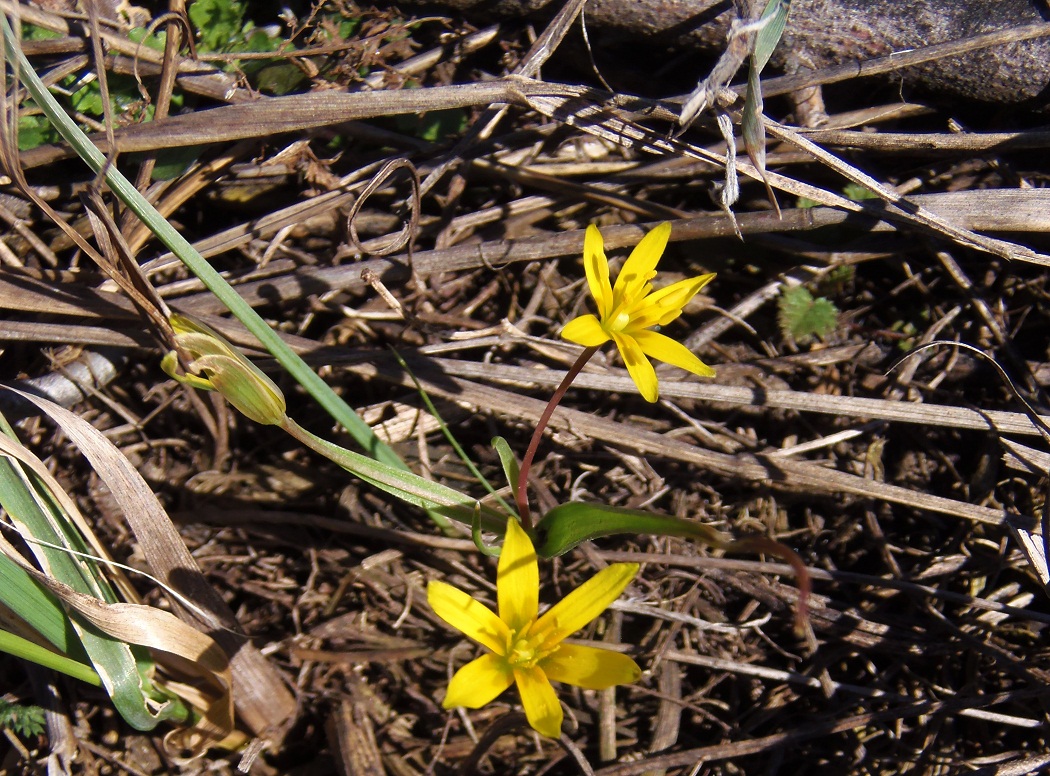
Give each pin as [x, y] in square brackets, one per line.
[671, 352]
[585, 602]
[478, 683]
[596, 265]
[640, 266]
[590, 667]
[540, 701]
[638, 366]
[465, 614]
[663, 306]
[585, 331]
[518, 579]
[678, 294]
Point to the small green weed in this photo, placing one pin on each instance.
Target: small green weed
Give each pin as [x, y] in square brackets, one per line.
[26, 721]
[801, 316]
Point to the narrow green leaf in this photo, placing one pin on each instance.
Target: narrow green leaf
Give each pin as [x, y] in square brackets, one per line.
[447, 433]
[405, 485]
[511, 468]
[475, 534]
[124, 669]
[769, 36]
[751, 120]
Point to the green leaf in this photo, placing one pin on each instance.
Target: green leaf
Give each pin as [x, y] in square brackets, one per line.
[434, 126]
[125, 669]
[802, 317]
[173, 162]
[508, 460]
[751, 121]
[27, 721]
[88, 99]
[281, 78]
[857, 193]
[769, 36]
[219, 23]
[766, 40]
[569, 525]
[35, 131]
[155, 41]
[34, 653]
[33, 32]
[177, 244]
[402, 484]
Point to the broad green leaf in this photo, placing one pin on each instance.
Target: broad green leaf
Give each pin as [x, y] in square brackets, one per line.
[39, 609]
[569, 525]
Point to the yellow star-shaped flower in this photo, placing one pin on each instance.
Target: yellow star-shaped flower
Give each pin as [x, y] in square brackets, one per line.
[529, 649]
[628, 311]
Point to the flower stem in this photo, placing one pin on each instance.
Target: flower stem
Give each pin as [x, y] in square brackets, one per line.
[521, 495]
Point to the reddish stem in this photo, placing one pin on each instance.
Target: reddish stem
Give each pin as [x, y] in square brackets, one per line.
[521, 496]
[782, 551]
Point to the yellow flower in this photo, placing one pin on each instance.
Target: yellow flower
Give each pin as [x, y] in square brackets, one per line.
[527, 649]
[628, 310]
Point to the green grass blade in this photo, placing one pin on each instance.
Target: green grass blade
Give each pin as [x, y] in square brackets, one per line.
[447, 432]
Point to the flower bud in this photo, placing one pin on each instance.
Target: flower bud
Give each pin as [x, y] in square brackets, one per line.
[215, 365]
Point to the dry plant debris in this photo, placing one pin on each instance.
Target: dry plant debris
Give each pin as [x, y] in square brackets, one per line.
[913, 490]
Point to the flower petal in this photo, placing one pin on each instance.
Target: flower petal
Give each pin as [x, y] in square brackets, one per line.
[585, 331]
[638, 366]
[518, 579]
[640, 266]
[465, 614]
[584, 603]
[678, 294]
[590, 667]
[670, 351]
[478, 682]
[596, 265]
[663, 306]
[540, 701]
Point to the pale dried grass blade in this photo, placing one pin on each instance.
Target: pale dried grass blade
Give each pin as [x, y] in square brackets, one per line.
[261, 696]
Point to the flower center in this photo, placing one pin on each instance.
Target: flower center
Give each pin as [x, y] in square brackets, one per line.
[618, 321]
[527, 649]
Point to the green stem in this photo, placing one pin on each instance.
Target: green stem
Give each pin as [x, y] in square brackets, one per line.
[440, 500]
[27, 650]
[521, 495]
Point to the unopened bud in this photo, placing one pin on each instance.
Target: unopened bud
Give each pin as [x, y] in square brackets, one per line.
[215, 365]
